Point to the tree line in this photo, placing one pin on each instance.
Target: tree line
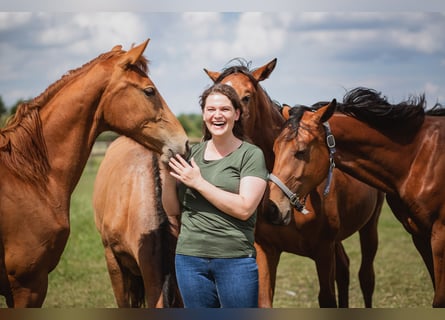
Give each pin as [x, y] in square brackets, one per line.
[192, 123]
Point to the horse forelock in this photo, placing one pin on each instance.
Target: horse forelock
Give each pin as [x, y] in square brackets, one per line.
[242, 67]
[266, 108]
[293, 122]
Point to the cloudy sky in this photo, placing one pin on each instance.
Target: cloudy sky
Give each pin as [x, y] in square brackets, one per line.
[320, 53]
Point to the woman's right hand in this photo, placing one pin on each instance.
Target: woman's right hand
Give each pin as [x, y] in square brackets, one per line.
[188, 174]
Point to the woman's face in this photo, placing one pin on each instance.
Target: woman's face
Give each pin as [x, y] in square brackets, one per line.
[219, 115]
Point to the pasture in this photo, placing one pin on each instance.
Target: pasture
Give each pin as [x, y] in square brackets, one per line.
[81, 280]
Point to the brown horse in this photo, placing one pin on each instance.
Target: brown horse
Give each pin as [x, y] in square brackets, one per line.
[305, 235]
[394, 147]
[138, 237]
[45, 146]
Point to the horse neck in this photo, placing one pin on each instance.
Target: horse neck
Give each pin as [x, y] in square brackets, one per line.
[362, 152]
[266, 127]
[70, 127]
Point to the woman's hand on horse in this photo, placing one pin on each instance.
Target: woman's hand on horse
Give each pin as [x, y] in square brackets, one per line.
[187, 173]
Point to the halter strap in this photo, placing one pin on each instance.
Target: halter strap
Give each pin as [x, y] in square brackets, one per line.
[293, 197]
[330, 141]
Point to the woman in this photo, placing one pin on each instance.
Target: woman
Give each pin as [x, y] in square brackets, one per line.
[221, 187]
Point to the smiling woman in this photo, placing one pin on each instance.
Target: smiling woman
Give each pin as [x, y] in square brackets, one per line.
[219, 192]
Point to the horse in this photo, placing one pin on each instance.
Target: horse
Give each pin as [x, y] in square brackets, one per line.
[139, 238]
[393, 147]
[300, 234]
[45, 146]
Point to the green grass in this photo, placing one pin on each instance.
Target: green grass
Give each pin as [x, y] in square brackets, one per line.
[402, 280]
[81, 279]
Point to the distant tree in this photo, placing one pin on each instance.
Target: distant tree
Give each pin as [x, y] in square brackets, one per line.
[192, 124]
[3, 109]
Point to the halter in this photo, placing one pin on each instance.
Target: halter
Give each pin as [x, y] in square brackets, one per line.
[294, 199]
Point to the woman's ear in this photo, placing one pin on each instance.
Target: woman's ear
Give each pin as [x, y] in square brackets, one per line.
[237, 114]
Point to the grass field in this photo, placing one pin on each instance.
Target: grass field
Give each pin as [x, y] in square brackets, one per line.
[81, 279]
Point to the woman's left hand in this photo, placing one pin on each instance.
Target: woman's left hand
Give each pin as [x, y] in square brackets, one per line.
[188, 174]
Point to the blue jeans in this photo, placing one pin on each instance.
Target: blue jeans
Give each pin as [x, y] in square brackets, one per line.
[215, 282]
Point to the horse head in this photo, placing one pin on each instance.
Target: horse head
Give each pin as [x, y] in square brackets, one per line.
[302, 159]
[261, 119]
[131, 105]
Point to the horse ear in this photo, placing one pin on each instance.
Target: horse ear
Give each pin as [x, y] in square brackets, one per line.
[264, 72]
[117, 48]
[327, 111]
[133, 55]
[214, 75]
[285, 111]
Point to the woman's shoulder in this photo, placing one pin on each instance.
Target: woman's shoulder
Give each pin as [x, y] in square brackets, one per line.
[250, 146]
[197, 146]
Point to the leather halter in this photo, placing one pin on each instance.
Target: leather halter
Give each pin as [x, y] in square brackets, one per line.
[294, 199]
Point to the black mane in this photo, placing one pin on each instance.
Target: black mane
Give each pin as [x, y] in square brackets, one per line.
[370, 106]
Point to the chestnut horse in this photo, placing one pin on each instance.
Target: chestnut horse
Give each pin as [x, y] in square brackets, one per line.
[139, 238]
[394, 147]
[310, 235]
[45, 146]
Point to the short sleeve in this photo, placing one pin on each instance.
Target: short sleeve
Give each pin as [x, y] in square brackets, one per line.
[254, 164]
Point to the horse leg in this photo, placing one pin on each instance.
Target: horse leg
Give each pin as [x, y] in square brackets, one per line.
[368, 245]
[342, 275]
[423, 246]
[5, 288]
[118, 284]
[267, 260]
[30, 293]
[151, 263]
[325, 263]
[438, 252]
[421, 242]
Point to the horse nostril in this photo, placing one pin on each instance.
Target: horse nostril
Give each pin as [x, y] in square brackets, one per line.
[272, 214]
[287, 218]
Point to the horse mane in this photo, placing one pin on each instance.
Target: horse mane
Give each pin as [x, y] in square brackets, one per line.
[370, 106]
[23, 148]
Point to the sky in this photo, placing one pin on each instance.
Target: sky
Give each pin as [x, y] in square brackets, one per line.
[321, 53]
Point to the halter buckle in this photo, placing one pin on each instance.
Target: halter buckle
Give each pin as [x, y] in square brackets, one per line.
[330, 141]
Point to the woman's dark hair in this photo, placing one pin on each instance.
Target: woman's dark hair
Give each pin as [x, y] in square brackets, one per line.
[231, 94]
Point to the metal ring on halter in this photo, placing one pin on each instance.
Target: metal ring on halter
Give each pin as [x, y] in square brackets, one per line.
[295, 201]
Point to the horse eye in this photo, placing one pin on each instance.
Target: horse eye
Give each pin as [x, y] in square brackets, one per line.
[149, 91]
[245, 99]
[299, 154]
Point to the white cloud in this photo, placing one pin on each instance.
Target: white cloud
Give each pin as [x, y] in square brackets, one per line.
[319, 53]
[10, 20]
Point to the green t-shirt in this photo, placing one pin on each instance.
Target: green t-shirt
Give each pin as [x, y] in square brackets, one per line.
[205, 230]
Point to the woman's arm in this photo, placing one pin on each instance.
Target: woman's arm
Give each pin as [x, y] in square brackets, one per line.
[240, 206]
[170, 200]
